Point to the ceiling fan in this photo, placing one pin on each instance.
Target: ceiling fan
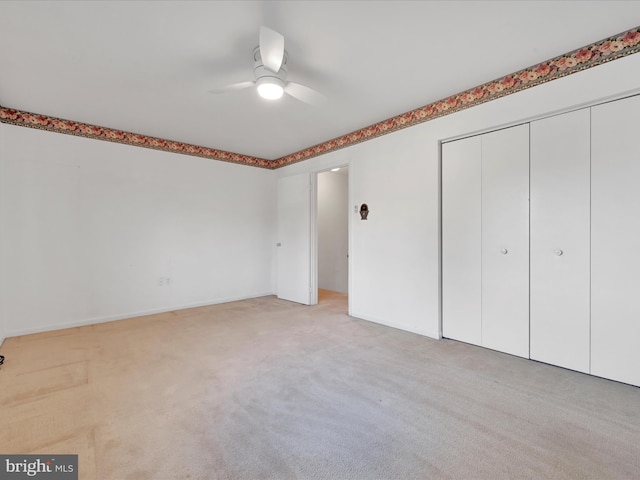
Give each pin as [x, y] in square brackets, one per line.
[270, 71]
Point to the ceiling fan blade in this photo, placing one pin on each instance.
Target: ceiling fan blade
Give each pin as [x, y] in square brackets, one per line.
[271, 49]
[304, 94]
[232, 87]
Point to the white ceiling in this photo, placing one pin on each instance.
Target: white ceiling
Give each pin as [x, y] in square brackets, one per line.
[146, 66]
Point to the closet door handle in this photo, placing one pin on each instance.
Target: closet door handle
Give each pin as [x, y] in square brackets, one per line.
[504, 251]
[558, 252]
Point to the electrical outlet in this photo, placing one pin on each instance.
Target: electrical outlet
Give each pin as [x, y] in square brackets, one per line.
[167, 281]
[160, 281]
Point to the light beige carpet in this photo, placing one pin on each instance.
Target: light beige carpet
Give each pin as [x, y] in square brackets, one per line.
[267, 389]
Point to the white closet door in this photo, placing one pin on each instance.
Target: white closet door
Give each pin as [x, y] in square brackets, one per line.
[615, 241]
[560, 231]
[505, 240]
[461, 314]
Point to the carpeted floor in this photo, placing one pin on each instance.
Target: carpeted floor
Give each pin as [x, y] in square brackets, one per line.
[267, 389]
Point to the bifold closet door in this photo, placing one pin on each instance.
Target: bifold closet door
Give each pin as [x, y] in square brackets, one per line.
[560, 231]
[461, 227]
[615, 240]
[505, 240]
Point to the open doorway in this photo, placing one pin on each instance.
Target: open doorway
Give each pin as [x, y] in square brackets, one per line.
[333, 237]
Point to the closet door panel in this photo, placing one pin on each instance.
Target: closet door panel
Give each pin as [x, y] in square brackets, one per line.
[560, 230]
[461, 313]
[505, 240]
[615, 262]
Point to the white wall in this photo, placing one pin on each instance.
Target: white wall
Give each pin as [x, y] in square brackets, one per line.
[2, 230]
[333, 233]
[394, 255]
[90, 228]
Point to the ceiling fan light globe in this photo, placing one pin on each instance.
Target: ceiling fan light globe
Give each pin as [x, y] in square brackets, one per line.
[270, 90]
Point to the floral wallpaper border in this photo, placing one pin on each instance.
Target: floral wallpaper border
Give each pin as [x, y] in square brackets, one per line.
[59, 125]
[598, 53]
[606, 50]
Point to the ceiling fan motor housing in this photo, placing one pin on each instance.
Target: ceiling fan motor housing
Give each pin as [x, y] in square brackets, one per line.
[264, 75]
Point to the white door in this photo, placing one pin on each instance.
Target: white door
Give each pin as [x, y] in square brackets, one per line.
[294, 239]
[615, 241]
[461, 226]
[560, 246]
[505, 240]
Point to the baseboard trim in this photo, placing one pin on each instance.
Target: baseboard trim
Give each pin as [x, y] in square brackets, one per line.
[398, 326]
[123, 316]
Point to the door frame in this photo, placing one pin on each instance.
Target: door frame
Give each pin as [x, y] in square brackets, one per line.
[314, 233]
